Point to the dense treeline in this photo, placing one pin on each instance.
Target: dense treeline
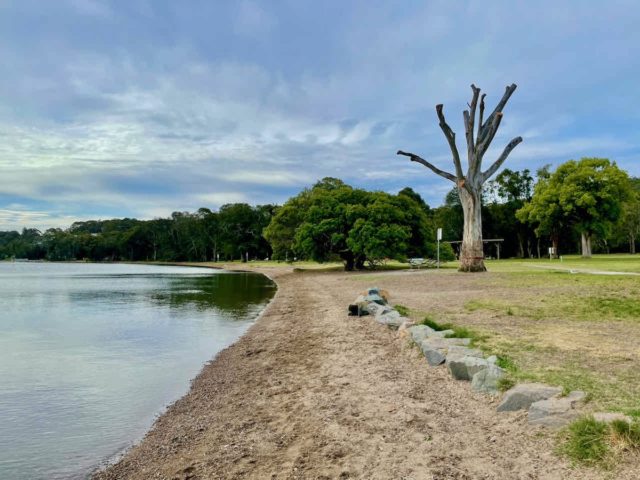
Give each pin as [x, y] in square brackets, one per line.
[234, 232]
[583, 205]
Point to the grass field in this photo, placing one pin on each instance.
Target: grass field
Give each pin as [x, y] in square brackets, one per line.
[563, 325]
[574, 323]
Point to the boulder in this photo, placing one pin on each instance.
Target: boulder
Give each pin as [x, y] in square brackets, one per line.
[403, 330]
[555, 412]
[609, 417]
[375, 298]
[486, 380]
[373, 308]
[435, 356]
[445, 343]
[420, 333]
[384, 310]
[492, 359]
[359, 307]
[465, 367]
[523, 395]
[391, 320]
[378, 291]
[463, 351]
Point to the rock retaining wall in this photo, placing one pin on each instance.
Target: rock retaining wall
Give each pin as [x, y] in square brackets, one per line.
[545, 404]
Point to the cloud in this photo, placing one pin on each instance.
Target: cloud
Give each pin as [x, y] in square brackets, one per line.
[253, 20]
[174, 107]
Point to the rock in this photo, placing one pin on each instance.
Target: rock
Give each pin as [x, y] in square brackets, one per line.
[384, 310]
[435, 356]
[463, 351]
[359, 307]
[378, 291]
[556, 411]
[609, 417]
[492, 359]
[465, 367]
[373, 308]
[486, 380]
[419, 333]
[407, 324]
[445, 343]
[390, 320]
[441, 333]
[375, 298]
[523, 395]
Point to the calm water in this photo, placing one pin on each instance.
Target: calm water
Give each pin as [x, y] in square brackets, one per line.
[91, 353]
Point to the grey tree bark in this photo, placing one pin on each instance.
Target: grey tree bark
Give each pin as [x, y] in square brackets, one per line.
[585, 238]
[470, 185]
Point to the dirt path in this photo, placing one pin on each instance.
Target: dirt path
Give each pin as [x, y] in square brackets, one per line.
[582, 270]
[309, 393]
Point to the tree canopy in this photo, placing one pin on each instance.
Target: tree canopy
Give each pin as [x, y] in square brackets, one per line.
[586, 195]
[335, 220]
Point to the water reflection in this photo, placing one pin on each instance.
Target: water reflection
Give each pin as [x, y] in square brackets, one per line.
[236, 293]
[89, 354]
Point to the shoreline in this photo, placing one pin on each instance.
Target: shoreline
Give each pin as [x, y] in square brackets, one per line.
[308, 392]
[118, 456]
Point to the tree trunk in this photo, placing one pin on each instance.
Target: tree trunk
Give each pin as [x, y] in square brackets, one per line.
[586, 244]
[520, 245]
[472, 252]
[554, 244]
[632, 244]
[479, 136]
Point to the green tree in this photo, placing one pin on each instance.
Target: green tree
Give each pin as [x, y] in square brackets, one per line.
[335, 220]
[508, 193]
[628, 228]
[586, 195]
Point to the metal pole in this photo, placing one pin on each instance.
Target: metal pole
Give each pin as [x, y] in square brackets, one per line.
[438, 238]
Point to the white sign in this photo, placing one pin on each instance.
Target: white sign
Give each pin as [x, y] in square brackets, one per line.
[439, 234]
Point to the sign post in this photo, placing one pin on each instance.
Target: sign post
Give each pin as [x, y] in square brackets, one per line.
[438, 238]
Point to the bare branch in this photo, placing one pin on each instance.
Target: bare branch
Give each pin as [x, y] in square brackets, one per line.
[433, 168]
[469, 119]
[481, 112]
[501, 159]
[490, 133]
[484, 128]
[451, 138]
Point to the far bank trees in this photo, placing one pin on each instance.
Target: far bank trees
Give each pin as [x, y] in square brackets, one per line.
[470, 184]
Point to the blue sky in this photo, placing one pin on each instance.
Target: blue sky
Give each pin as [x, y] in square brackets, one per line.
[140, 108]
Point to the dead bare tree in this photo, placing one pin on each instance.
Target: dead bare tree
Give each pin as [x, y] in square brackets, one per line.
[470, 185]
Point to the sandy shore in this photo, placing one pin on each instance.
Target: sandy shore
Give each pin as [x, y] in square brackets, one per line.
[310, 393]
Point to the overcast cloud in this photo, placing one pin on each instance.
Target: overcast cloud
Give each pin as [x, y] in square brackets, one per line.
[140, 108]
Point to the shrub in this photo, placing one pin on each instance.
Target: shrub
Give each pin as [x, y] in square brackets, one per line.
[587, 441]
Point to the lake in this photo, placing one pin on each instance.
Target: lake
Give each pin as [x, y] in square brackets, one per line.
[90, 354]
